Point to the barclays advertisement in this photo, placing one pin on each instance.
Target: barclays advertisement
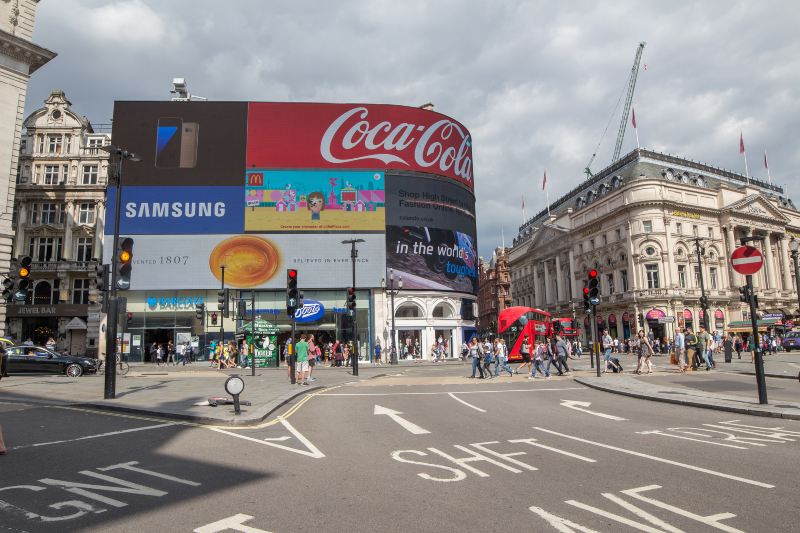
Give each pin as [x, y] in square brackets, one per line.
[174, 210]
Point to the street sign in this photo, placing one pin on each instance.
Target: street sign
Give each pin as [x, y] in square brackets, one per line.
[594, 301]
[666, 319]
[747, 260]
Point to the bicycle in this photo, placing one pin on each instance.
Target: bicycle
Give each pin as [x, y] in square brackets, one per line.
[123, 369]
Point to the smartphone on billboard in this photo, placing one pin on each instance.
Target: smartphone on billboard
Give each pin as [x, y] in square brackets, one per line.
[168, 142]
[189, 132]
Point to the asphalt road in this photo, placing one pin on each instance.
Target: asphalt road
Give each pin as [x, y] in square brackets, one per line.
[442, 454]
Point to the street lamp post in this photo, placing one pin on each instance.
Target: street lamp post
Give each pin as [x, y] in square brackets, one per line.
[392, 291]
[703, 299]
[353, 256]
[794, 246]
[110, 384]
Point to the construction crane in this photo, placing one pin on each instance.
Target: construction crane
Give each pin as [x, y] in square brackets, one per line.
[631, 82]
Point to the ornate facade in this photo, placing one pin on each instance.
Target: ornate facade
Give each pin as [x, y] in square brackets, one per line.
[19, 58]
[59, 216]
[494, 292]
[640, 223]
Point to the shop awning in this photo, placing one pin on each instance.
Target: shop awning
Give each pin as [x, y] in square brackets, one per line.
[743, 326]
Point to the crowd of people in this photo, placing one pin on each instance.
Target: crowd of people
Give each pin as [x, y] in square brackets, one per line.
[490, 358]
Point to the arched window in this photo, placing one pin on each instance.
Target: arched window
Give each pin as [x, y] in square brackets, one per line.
[443, 310]
[42, 293]
[408, 310]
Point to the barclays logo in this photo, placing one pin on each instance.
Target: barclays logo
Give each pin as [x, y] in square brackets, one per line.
[189, 302]
[312, 311]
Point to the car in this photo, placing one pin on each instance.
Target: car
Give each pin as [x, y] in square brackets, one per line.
[40, 360]
[791, 341]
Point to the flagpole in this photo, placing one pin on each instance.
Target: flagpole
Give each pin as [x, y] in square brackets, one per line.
[766, 164]
[547, 195]
[746, 169]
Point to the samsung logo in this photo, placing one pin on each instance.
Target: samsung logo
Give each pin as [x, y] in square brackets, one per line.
[175, 209]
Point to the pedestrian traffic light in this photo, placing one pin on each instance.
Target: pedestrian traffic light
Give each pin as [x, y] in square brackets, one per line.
[351, 299]
[129, 317]
[8, 289]
[292, 293]
[241, 308]
[222, 301]
[704, 302]
[594, 289]
[213, 319]
[587, 305]
[124, 263]
[199, 311]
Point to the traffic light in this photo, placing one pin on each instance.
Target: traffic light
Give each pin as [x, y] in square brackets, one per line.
[199, 311]
[222, 301]
[213, 319]
[594, 284]
[101, 277]
[704, 302]
[292, 293]
[124, 266]
[587, 305]
[8, 289]
[351, 299]
[241, 308]
[640, 316]
[22, 283]
[129, 317]
[744, 294]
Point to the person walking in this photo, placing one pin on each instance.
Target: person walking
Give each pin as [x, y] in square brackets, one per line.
[562, 353]
[502, 358]
[680, 340]
[377, 359]
[737, 345]
[539, 353]
[645, 351]
[182, 353]
[159, 354]
[288, 356]
[525, 352]
[301, 365]
[704, 347]
[488, 357]
[475, 352]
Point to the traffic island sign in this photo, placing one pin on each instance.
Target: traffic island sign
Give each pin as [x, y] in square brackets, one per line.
[747, 260]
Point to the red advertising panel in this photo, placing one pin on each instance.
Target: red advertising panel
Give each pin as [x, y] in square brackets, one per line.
[360, 136]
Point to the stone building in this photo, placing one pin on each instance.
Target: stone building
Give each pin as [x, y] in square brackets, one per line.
[19, 58]
[59, 217]
[494, 295]
[639, 222]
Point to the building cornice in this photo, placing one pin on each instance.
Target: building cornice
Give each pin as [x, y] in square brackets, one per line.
[24, 51]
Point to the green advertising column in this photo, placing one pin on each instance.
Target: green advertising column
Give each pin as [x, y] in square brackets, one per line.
[265, 342]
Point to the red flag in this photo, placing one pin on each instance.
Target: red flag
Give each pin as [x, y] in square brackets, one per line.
[633, 116]
[766, 164]
[741, 143]
[544, 181]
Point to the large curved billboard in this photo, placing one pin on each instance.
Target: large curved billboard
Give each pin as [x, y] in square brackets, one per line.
[256, 186]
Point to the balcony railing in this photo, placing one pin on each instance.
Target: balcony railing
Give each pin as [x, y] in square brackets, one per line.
[63, 265]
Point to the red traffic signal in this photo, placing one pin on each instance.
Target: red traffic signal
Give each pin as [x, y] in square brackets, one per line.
[586, 291]
[291, 273]
[592, 274]
[213, 318]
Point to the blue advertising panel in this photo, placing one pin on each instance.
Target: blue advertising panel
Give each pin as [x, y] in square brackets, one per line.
[175, 210]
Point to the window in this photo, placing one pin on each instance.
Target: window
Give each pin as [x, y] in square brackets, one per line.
[95, 142]
[580, 248]
[80, 291]
[591, 243]
[697, 276]
[650, 250]
[624, 275]
[48, 214]
[605, 240]
[51, 174]
[44, 248]
[619, 234]
[678, 228]
[652, 276]
[710, 232]
[682, 276]
[86, 213]
[54, 144]
[89, 175]
[68, 144]
[713, 277]
[610, 283]
[647, 226]
[83, 249]
[695, 230]
[40, 144]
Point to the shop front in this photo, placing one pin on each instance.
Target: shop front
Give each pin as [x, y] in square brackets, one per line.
[626, 325]
[612, 326]
[657, 328]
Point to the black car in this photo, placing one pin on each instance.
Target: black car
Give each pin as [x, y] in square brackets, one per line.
[39, 360]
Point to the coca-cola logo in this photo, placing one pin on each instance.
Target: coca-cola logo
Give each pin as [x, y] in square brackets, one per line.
[445, 146]
[311, 311]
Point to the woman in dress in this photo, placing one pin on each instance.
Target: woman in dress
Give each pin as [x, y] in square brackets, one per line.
[644, 352]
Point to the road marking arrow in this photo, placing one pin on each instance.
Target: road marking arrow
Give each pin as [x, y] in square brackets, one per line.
[581, 406]
[394, 415]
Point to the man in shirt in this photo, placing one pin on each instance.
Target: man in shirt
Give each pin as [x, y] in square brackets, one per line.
[690, 343]
[608, 345]
[703, 345]
[679, 352]
[301, 365]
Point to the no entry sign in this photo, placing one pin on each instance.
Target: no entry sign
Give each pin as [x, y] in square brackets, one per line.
[747, 260]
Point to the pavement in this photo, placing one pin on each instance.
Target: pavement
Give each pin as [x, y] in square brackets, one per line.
[426, 450]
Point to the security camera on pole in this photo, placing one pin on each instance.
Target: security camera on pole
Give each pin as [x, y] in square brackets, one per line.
[747, 260]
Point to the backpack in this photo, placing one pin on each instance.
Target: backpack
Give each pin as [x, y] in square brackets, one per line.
[615, 366]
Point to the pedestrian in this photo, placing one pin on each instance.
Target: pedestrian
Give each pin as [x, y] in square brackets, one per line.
[182, 353]
[502, 357]
[552, 356]
[562, 353]
[159, 354]
[608, 346]
[288, 356]
[312, 357]
[539, 353]
[301, 365]
[338, 353]
[690, 342]
[475, 352]
[645, 351]
[704, 347]
[737, 345]
[680, 340]
[377, 359]
[170, 353]
[488, 357]
[525, 352]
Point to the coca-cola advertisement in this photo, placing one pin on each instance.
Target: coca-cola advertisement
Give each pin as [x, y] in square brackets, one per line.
[358, 136]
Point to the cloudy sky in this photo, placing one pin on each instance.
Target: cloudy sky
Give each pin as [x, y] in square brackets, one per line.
[534, 81]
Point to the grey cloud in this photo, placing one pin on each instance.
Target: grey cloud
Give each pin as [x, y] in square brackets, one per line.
[534, 81]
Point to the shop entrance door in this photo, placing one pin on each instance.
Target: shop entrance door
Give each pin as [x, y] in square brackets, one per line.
[160, 336]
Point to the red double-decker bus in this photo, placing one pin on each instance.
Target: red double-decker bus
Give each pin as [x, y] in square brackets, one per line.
[514, 323]
[566, 327]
